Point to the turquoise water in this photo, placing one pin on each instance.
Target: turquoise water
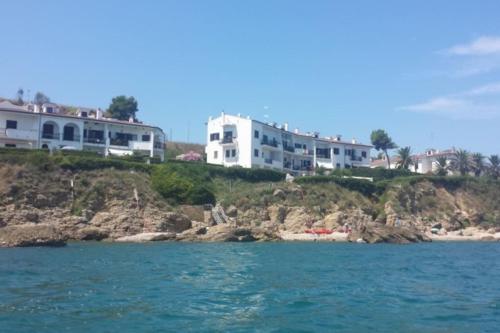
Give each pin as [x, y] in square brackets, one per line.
[266, 287]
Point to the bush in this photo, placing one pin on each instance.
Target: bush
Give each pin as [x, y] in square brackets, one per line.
[365, 187]
[375, 173]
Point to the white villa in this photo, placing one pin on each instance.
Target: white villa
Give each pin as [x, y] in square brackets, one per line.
[46, 127]
[241, 141]
[423, 163]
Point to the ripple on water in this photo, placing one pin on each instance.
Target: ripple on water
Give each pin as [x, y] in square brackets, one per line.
[274, 287]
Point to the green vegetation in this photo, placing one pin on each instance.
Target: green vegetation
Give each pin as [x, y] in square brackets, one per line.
[122, 108]
[405, 159]
[382, 141]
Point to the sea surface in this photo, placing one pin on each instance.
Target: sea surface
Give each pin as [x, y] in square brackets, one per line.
[259, 287]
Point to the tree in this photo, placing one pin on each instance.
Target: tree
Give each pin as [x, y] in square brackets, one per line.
[477, 164]
[20, 96]
[382, 141]
[122, 108]
[442, 166]
[405, 159]
[462, 163]
[494, 167]
[41, 98]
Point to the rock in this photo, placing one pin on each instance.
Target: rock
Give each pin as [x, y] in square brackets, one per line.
[147, 237]
[360, 241]
[279, 193]
[289, 178]
[334, 220]
[227, 233]
[277, 214]
[488, 238]
[298, 219]
[380, 233]
[174, 222]
[31, 235]
[91, 233]
[232, 211]
[437, 226]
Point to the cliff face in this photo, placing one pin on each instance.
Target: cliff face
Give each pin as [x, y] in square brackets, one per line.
[85, 205]
[109, 203]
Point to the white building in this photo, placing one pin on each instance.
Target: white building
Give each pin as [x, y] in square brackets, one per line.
[423, 163]
[46, 127]
[239, 141]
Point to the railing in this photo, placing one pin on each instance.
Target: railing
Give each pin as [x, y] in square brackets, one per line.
[356, 158]
[272, 143]
[326, 157]
[226, 140]
[268, 160]
[75, 137]
[119, 142]
[289, 149]
[50, 136]
[94, 140]
[158, 145]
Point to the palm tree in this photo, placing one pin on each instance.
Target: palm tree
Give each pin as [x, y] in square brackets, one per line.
[477, 164]
[442, 166]
[462, 163]
[494, 167]
[404, 155]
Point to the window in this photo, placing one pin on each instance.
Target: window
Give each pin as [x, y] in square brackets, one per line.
[322, 152]
[348, 152]
[216, 155]
[256, 152]
[10, 145]
[338, 166]
[49, 109]
[298, 146]
[228, 152]
[233, 153]
[336, 151]
[214, 137]
[256, 134]
[11, 124]
[146, 137]
[363, 154]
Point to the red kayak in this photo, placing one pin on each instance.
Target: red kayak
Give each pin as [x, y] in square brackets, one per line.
[319, 231]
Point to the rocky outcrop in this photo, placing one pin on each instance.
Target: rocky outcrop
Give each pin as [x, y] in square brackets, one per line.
[31, 235]
[229, 233]
[381, 233]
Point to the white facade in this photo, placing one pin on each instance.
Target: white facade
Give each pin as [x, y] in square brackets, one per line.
[238, 141]
[424, 163]
[46, 128]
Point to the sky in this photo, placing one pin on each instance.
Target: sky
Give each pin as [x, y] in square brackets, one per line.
[428, 72]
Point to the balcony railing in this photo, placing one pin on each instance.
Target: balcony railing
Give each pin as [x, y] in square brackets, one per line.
[158, 145]
[119, 142]
[356, 158]
[95, 141]
[271, 143]
[268, 160]
[74, 137]
[50, 136]
[289, 149]
[227, 140]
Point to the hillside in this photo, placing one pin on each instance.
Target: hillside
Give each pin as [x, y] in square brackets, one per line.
[83, 197]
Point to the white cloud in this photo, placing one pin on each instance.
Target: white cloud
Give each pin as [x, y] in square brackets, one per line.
[485, 45]
[470, 104]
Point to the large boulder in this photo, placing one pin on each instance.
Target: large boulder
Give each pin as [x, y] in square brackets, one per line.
[277, 214]
[173, 222]
[298, 219]
[228, 233]
[381, 233]
[31, 235]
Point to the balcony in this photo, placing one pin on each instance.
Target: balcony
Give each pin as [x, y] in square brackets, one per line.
[227, 141]
[98, 141]
[271, 143]
[74, 137]
[12, 133]
[50, 135]
[119, 142]
[158, 145]
[289, 149]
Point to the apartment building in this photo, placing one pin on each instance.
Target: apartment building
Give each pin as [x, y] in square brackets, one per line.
[47, 127]
[233, 140]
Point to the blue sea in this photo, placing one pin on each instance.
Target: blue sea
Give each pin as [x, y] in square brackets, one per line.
[251, 287]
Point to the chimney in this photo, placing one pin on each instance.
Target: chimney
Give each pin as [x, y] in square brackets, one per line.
[131, 119]
[296, 131]
[285, 126]
[36, 108]
[354, 141]
[98, 113]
